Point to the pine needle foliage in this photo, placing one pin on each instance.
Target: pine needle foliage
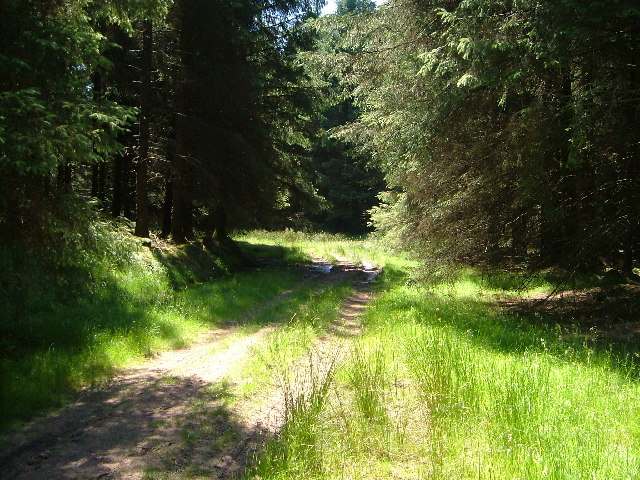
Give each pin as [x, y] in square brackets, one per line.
[506, 129]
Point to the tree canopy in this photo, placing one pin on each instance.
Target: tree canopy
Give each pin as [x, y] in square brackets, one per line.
[194, 111]
[506, 131]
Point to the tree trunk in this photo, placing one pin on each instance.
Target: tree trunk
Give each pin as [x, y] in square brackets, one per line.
[94, 180]
[177, 182]
[167, 207]
[178, 214]
[65, 175]
[220, 230]
[559, 228]
[219, 238]
[631, 202]
[102, 182]
[117, 200]
[129, 187]
[519, 233]
[142, 167]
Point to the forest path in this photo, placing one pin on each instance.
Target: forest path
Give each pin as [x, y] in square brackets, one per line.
[177, 415]
[298, 380]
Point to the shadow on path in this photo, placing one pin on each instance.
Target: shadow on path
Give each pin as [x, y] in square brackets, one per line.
[135, 427]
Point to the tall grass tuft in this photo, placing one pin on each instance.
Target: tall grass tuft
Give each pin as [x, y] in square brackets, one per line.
[297, 452]
[367, 374]
[446, 372]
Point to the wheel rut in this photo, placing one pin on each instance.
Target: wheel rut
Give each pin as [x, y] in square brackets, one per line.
[177, 414]
[305, 374]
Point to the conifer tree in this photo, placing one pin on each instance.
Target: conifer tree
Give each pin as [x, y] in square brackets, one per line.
[494, 124]
[52, 123]
[347, 179]
[241, 131]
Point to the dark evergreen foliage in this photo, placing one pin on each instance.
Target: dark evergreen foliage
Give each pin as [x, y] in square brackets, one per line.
[346, 177]
[194, 111]
[506, 129]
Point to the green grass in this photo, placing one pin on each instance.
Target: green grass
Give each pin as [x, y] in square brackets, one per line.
[285, 252]
[297, 245]
[209, 429]
[445, 385]
[297, 449]
[67, 327]
[302, 318]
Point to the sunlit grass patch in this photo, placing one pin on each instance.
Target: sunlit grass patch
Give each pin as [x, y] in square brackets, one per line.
[302, 318]
[333, 247]
[472, 283]
[510, 398]
[256, 248]
[446, 385]
[367, 377]
[297, 451]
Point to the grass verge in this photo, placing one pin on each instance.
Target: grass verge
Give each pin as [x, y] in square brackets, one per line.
[296, 246]
[445, 384]
[65, 327]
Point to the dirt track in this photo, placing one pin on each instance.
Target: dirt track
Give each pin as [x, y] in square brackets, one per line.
[176, 416]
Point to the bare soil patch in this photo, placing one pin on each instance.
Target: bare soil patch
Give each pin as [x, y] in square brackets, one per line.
[611, 313]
